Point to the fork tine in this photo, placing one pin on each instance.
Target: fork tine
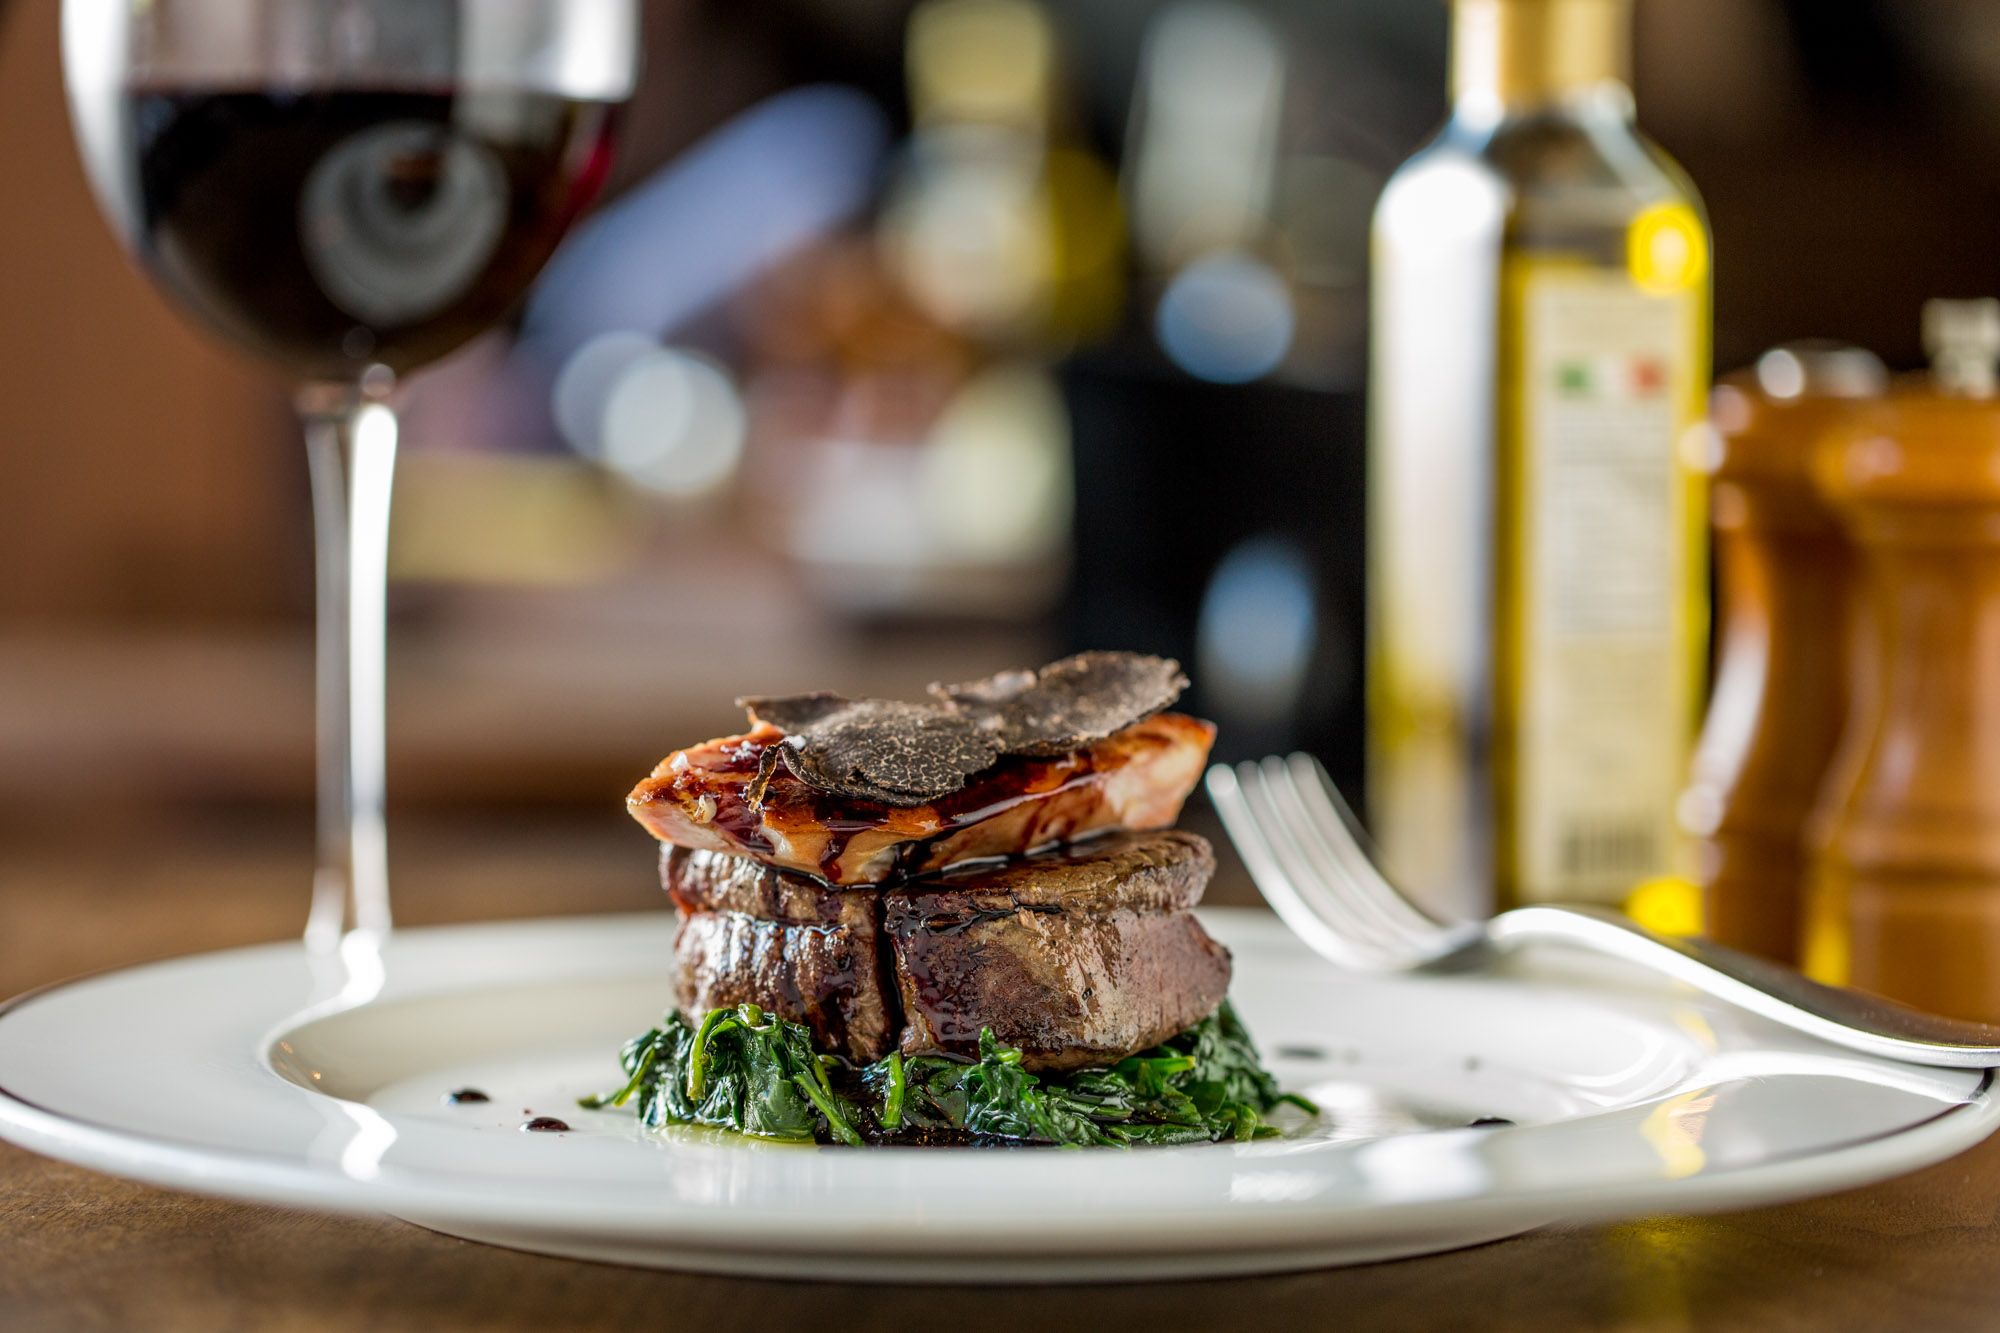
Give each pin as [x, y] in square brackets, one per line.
[1310, 861]
[1368, 946]
[1418, 938]
[1246, 822]
[1331, 822]
[1324, 796]
[1277, 813]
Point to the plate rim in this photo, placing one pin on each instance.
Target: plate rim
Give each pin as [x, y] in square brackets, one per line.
[288, 1181]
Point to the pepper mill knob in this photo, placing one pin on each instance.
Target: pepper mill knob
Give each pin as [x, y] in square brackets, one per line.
[1962, 339]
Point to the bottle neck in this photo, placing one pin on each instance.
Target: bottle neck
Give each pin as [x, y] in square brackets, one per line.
[1515, 55]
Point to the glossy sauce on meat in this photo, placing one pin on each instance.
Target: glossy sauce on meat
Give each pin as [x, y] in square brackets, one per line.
[1134, 779]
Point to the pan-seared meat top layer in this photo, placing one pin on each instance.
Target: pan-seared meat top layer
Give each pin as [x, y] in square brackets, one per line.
[1136, 778]
[706, 881]
[1157, 873]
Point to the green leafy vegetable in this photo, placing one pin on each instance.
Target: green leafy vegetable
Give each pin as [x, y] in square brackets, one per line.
[742, 1069]
[746, 1070]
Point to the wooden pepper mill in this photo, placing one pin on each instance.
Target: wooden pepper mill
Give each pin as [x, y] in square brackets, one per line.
[1785, 574]
[1906, 890]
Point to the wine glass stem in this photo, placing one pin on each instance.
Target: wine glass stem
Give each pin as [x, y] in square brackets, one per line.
[351, 446]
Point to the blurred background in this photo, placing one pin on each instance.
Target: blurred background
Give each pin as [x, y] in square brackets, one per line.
[909, 342]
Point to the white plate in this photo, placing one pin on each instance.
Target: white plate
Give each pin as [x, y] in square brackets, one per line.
[267, 1075]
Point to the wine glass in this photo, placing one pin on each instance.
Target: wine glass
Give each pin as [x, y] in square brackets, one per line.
[350, 189]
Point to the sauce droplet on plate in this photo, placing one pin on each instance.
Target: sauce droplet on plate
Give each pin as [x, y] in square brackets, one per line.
[466, 1097]
[545, 1124]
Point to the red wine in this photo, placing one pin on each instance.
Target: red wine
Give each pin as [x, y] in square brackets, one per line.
[333, 230]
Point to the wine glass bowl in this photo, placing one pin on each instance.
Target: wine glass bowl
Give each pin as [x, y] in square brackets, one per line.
[336, 184]
[348, 189]
[333, 230]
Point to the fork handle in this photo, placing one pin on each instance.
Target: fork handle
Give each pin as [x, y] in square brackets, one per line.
[1853, 1019]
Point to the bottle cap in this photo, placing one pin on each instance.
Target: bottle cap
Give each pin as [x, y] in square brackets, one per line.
[1526, 52]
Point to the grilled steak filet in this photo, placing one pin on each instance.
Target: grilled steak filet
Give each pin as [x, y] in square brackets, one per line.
[1079, 957]
[753, 934]
[710, 797]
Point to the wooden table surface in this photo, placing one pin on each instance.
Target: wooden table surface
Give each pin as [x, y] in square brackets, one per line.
[80, 1250]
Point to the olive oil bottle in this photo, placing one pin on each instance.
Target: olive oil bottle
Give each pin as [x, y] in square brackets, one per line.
[1538, 589]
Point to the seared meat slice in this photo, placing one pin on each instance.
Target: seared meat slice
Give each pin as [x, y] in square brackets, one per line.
[1078, 958]
[753, 934]
[706, 797]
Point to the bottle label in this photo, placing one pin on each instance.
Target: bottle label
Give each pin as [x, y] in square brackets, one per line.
[1604, 666]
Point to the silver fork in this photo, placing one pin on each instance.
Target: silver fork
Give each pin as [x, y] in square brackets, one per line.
[1303, 847]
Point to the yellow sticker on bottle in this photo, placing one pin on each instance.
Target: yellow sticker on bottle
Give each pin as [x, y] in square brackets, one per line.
[1666, 249]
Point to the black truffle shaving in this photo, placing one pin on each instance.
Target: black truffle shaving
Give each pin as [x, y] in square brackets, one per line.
[878, 750]
[906, 754]
[794, 713]
[1068, 704]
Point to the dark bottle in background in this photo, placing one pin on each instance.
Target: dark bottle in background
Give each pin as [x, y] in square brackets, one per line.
[1220, 439]
[1223, 526]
